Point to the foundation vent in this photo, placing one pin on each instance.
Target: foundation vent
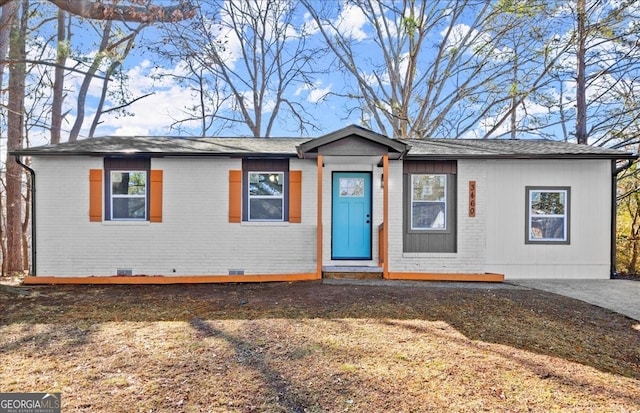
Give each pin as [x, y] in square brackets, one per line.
[124, 271]
[236, 272]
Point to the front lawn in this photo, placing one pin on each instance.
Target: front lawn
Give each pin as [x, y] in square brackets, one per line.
[311, 347]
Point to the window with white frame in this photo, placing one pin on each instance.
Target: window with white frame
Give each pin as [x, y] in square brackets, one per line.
[548, 215]
[266, 196]
[428, 202]
[128, 195]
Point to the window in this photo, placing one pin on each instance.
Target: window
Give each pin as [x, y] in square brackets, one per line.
[351, 187]
[429, 206]
[265, 190]
[428, 202]
[266, 196]
[547, 215]
[128, 195]
[132, 191]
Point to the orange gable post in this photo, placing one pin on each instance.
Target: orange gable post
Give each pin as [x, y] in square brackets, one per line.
[385, 216]
[319, 221]
[235, 196]
[95, 195]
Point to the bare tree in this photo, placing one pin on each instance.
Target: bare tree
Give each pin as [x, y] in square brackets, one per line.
[128, 11]
[581, 99]
[441, 71]
[118, 51]
[58, 82]
[19, 12]
[244, 56]
[15, 136]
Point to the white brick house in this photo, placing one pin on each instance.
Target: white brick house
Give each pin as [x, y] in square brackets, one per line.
[154, 209]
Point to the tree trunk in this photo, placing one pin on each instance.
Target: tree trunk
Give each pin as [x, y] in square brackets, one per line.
[581, 85]
[15, 127]
[514, 97]
[58, 82]
[6, 22]
[86, 82]
[130, 42]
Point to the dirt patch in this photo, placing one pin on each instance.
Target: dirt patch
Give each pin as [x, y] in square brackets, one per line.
[311, 347]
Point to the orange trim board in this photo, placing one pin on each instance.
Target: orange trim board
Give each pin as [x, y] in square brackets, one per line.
[421, 276]
[187, 279]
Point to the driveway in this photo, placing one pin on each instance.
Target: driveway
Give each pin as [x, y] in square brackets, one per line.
[621, 296]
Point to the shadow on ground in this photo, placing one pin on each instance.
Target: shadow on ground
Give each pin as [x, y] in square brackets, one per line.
[535, 321]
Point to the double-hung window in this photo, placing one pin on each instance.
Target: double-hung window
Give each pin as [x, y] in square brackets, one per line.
[265, 190]
[547, 215]
[128, 197]
[127, 191]
[266, 196]
[428, 202]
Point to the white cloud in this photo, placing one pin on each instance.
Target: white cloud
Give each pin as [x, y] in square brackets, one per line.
[316, 93]
[153, 114]
[351, 21]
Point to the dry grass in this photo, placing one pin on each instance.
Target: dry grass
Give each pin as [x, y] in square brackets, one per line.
[309, 347]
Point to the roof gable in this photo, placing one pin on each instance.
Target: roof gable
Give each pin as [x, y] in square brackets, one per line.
[352, 140]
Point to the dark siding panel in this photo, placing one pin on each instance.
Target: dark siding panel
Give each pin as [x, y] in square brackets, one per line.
[431, 241]
[270, 165]
[431, 167]
[127, 164]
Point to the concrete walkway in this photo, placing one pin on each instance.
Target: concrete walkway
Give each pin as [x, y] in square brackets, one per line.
[621, 296]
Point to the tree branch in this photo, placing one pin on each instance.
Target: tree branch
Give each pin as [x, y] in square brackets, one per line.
[98, 10]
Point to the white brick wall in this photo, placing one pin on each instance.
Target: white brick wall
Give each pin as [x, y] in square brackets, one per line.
[194, 238]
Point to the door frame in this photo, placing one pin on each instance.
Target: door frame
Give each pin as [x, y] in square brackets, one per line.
[370, 196]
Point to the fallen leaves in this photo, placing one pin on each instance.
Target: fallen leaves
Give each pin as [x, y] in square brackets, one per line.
[309, 347]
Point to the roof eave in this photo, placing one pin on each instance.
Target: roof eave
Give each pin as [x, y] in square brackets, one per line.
[156, 154]
[418, 157]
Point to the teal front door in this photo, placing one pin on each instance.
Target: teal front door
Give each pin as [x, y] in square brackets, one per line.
[351, 216]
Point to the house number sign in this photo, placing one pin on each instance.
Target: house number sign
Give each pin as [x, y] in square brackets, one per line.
[472, 198]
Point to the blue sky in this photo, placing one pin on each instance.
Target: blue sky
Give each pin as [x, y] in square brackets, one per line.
[154, 114]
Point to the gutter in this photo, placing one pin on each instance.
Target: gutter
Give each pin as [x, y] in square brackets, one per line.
[32, 173]
[614, 206]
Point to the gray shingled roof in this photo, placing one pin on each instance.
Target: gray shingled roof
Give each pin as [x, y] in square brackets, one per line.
[419, 149]
[156, 146]
[511, 148]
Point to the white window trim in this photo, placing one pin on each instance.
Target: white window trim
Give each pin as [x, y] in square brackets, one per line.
[250, 197]
[113, 196]
[446, 184]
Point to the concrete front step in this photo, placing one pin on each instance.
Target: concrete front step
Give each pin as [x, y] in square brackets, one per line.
[352, 272]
